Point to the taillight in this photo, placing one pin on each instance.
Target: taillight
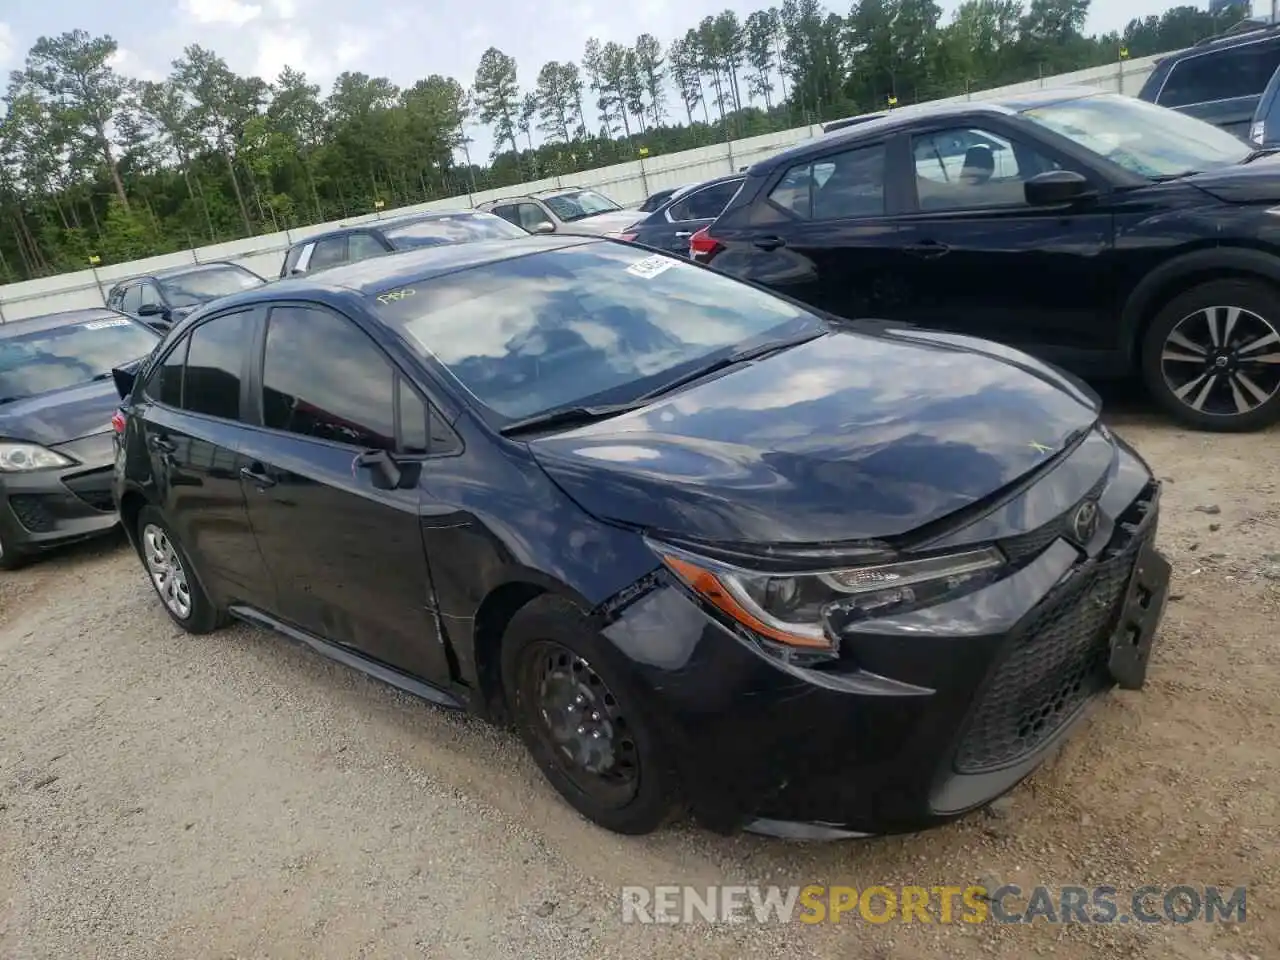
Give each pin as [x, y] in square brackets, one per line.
[628, 237]
[703, 246]
[117, 422]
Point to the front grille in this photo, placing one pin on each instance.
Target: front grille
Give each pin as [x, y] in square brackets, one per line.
[1060, 660]
[31, 512]
[1027, 546]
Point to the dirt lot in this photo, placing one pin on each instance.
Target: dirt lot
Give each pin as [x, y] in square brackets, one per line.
[235, 796]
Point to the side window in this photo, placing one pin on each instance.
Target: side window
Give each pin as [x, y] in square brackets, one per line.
[507, 212]
[164, 385]
[328, 253]
[414, 434]
[846, 185]
[705, 204]
[1225, 75]
[148, 293]
[442, 441]
[114, 298]
[966, 169]
[132, 298]
[215, 358]
[322, 377]
[291, 259]
[530, 215]
[362, 246]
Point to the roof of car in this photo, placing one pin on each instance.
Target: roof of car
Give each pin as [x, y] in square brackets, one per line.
[178, 271]
[397, 221]
[1007, 105]
[64, 318]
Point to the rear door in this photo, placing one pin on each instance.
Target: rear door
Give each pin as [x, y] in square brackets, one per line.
[346, 554]
[192, 403]
[822, 232]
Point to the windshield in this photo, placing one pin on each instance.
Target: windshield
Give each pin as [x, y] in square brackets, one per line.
[452, 229]
[579, 204]
[56, 358]
[1145, 139]
[597, 323]
[201, 286]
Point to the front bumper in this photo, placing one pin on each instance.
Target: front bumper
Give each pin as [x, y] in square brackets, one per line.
[925, 717]
[47, 508]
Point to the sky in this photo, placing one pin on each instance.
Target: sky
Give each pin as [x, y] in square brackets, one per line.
[398, 39]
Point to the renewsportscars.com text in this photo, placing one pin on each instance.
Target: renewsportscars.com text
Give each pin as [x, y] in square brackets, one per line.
[1008, 903]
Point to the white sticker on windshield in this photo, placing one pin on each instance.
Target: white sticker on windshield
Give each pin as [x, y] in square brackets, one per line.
[99, 324]
[650, 267]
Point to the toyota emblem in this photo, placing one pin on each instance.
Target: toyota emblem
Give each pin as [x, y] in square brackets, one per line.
[1085, 522]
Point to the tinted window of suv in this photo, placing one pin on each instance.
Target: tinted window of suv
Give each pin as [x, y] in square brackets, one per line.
[1222, 75]
[323, 377]
[165, 383]
[705, 204]
[849, 184]
[215, 357]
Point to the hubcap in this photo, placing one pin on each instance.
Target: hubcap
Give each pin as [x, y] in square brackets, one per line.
[167, 572]
[1222, 361]
[582, 724]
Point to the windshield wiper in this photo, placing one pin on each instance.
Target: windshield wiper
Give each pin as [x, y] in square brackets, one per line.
[568, 417]
[1260, 152]
[742, 356]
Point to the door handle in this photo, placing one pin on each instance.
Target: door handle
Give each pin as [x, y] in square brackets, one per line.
[163, 445]
[257, 475]
[682, 234]
[769, 243]
[927, 250]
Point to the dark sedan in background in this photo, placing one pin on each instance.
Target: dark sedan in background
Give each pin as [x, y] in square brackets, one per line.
[57, 399]
[702, 546]
[351, 244]
[1099, 232]
[687, 210]
[163, 298]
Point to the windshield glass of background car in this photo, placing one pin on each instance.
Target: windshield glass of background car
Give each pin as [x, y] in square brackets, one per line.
[190, 289]
[66, 356]
[438, 230]
[597, 323]
[582, 203]
[1148, 140]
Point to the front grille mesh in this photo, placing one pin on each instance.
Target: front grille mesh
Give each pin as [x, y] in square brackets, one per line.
[32, 513]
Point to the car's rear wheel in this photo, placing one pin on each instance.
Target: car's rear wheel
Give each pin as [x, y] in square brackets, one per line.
[1211, 356]
[582, 721]
[172, 576]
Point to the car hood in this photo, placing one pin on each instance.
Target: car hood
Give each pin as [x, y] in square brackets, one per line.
[62, 416]
[615, 221]
[1254, 182]
[853, 436]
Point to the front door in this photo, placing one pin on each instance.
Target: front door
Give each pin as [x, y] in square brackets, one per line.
[191, 427]
[345, 550]
[981, 261]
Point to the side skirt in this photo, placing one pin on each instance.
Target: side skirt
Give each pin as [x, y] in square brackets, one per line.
[350, 658]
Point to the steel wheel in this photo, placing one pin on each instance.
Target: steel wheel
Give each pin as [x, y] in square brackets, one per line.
[583, 726]
[1222, 361]
[166, 569]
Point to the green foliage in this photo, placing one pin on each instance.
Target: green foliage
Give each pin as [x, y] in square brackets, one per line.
[93, 162]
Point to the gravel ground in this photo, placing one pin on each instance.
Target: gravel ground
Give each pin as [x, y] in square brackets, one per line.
[235, 796]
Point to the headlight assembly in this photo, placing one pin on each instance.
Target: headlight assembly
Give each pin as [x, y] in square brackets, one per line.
[803, 611]
[25, 457]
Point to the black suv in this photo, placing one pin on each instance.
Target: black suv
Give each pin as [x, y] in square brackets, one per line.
[1221, 78]
[163, 298]
[1105, 234]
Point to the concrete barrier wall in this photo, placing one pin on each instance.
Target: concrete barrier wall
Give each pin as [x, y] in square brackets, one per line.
[626, 183]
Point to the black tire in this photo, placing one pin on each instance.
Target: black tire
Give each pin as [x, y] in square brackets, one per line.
[11, 559]
[201, 616]
[1196, 316]
[627, 805]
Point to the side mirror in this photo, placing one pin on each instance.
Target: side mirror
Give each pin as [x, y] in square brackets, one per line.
[153, 310]
[544, 226]
[1056, 187]
[387, 474]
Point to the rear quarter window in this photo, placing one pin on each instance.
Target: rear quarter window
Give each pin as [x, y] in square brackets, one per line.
[1242, 71]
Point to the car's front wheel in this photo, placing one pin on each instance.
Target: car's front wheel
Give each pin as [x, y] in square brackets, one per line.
[171, 574]
[1211, 356]
[10, 559]
[583, 722]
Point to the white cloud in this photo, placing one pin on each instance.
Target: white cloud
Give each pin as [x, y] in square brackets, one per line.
[126, 63]
[7, 47]
[284, 9]
[232, 12]
[278, 49]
